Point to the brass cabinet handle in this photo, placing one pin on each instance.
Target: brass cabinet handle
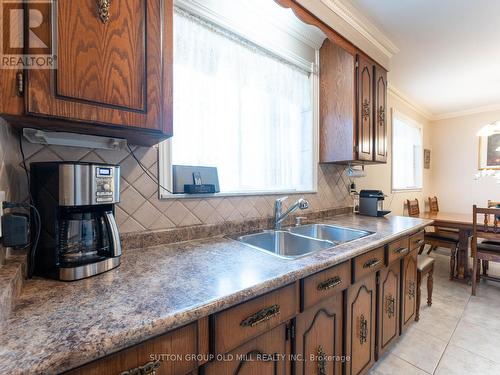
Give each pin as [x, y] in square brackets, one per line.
[103, 10]
[330, 283]
[147, 369]
[390, 303]
[321, 361]
[401, 250]
[419, 242]
[381, 116]
[366, 110]
[261, 316]
[411, 289]
[363, 329]
[372, 263]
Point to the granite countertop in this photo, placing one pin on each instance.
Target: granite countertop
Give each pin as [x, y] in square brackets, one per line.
[55, 326]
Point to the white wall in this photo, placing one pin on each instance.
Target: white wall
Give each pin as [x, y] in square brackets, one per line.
[454, 161]
[379, 176]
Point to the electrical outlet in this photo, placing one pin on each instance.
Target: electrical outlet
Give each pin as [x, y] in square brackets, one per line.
[2, 199]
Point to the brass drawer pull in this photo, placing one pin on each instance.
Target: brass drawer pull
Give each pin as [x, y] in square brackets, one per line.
[330, 283]
[401, 250]
[363, 329]
[372, 263]
[261, 316]
[103, 10]
[147, 369]
[411, 289]
[419, 242]
[321, 361]
[390, 303]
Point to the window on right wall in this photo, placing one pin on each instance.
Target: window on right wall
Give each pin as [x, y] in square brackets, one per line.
[407, 168]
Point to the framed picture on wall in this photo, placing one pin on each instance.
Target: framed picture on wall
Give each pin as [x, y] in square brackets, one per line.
[489, 151]
[427, 158]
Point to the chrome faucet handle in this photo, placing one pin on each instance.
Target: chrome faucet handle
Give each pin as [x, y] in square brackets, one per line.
[303, 204]
[282, 199]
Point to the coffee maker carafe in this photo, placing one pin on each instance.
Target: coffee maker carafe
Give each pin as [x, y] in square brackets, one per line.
[76, 201]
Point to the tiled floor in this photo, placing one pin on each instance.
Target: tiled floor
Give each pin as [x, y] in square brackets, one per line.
[458, 334]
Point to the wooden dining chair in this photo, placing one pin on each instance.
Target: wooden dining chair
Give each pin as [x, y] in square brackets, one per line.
[488, 229]
[433, 204]
[484, 263]
[436, 239]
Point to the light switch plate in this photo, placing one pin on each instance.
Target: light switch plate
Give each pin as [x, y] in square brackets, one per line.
[2, 199]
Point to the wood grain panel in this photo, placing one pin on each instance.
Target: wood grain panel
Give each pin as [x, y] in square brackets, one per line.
[367, 263]
[260, 356]
[315, 288]
[397, 249]
[389, 301]
[103, 64]
[109, 87]
[182, 342]
[361, 305]
[319, 330]
[365, 108]
[337, 103]
[409, 289]
[227, 328]
[380, 114]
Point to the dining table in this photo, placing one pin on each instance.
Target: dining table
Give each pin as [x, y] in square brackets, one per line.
[463, 223]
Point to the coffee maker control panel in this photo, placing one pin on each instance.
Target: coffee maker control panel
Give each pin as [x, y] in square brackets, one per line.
[104, 181]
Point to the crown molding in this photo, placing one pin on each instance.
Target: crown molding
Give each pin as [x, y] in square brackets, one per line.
[410, 103]
[467, 112]
[361, 24]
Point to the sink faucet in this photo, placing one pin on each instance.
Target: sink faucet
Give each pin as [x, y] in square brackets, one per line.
[279, 217]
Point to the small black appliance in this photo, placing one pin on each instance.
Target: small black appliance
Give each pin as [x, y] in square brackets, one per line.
[371, 203]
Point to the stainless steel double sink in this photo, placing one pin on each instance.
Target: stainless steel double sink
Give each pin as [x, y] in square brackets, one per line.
[302, 240]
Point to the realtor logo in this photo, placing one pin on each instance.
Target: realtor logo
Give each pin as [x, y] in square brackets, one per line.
[26, 41]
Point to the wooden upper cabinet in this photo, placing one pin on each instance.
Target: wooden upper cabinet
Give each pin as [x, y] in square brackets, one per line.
[115, 73]
[380, 115]
[337, 103]
[353, 101]
[365, 132]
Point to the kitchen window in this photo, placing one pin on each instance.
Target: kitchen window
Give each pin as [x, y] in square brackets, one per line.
[406, 153]
[243, 108]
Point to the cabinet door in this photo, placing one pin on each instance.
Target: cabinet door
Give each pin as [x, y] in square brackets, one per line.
[116, 72]
[265, 355]
[361, 315]
[318, 338]
[380, 112]
[389, 300]
[409, 289]
[365, 109]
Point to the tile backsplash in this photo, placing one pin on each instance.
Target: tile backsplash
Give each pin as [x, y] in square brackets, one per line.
[140, 209]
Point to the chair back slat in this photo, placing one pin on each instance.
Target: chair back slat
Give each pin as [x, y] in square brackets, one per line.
[490, 220]
[413, 207]
[433, 204]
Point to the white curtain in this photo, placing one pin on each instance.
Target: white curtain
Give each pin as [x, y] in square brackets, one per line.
[242, 110]
[407, 155]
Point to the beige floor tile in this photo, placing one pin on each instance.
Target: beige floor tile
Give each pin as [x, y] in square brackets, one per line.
[458, 361]
[480, 340]
[438, 320]
[393, 365]
[419, 349]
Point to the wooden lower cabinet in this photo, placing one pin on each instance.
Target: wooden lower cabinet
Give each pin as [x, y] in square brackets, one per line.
[168, 354]
[360, 325]
[265, 355]
[318, 338]
[409, 289]
[388, 306]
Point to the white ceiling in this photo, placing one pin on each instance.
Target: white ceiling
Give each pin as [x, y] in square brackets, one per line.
[449, 51]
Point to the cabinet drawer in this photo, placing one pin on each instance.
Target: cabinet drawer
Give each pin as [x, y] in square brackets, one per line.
[324, 284]
[367, 263]
[416, 240]
[168, 354]
[397, 249]
[237, 325]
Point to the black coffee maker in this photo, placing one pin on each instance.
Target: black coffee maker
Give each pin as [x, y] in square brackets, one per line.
[371, 203]
[79, 236]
